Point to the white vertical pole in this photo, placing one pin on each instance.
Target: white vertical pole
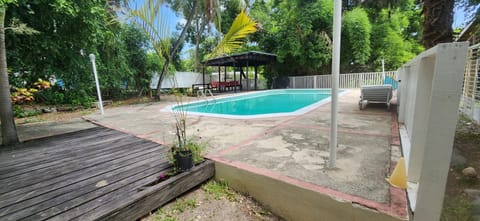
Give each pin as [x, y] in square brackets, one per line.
[337, 24]
[100, 103]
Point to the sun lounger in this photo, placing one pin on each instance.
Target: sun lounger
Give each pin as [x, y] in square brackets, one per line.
[375, 94]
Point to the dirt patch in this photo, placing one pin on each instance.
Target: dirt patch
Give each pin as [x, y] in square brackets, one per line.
[212, 201]
[457, 205]
[67, 112]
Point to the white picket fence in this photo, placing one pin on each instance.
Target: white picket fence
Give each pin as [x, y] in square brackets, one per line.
[470, 100]
[351, 80]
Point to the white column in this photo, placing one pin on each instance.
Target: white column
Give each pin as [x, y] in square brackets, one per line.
[337, 25]
[442, 118]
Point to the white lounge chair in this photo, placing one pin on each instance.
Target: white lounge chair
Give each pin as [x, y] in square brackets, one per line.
[375, 94]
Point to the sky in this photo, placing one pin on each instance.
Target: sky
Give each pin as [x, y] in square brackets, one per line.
[460, 20]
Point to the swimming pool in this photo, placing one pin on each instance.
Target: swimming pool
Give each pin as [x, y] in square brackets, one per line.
[260, 104]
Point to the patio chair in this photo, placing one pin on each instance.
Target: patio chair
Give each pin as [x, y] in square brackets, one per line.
[375, 94]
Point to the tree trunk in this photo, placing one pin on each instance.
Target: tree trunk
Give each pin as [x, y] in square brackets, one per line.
[175, 47]
[197, 42]
[9, 132]
[438, 19]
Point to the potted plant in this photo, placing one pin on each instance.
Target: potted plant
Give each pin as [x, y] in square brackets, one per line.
[186, 152]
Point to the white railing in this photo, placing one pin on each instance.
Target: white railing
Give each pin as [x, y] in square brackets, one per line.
[470, 100]
[352, 80]
[429, 95]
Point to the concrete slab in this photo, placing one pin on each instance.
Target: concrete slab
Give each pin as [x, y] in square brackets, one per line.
[45, 129]
[293, 148]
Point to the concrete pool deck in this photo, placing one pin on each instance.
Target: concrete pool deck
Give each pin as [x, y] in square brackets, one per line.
[292, 150]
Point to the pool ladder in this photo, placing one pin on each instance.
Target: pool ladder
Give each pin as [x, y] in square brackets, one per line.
[201, 93]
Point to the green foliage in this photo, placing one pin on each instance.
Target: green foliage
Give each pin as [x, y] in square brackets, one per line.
[392, 41]
[52, 96]
[183, 204]
[19, 112]
[231, 42]
[219, 190]
[300, 33]
[69, 30]
[356, 32]
[231, 9]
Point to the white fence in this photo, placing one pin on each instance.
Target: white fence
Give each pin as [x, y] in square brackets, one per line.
[470, 103]
[429, 95]
[352, 80]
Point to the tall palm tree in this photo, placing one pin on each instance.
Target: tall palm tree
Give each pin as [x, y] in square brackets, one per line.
[9, 132]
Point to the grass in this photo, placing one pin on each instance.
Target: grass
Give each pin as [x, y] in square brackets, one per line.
[180, 206]
[456, 209]
[219, 190]
[457, 205]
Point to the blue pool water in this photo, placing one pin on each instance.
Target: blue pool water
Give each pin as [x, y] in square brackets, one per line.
[260, 103]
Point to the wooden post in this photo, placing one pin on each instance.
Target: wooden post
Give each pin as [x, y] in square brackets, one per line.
[234, 80]
[218, 85]
[225, 77]
[256, 78]
[248, 85]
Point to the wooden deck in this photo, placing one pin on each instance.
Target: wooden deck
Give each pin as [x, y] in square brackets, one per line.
[93, 174]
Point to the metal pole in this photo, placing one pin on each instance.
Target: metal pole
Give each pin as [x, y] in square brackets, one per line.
[100, 102]
[337, 24]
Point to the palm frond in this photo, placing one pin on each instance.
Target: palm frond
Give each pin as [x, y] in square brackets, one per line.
[153, 23]
[242, 26]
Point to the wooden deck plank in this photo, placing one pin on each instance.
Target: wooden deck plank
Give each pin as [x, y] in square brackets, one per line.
[56, 178]
[56, 148]
[140, 203]
[70, 157]
[81, 196]
[84, 186]
[57, 183]
[126, 190]
[79, 174]
[40, 175]
[29, 165]
[42, 144]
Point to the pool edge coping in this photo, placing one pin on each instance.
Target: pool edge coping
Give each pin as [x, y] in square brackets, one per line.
[300, 111]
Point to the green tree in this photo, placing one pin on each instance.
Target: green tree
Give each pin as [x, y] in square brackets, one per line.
[136, 44]
[356, 32]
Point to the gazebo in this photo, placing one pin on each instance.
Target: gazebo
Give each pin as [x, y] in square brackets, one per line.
[239, 60]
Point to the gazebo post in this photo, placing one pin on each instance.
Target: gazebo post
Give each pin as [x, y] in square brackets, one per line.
[234, 80]
[256, 77]
[225, 77]
[219, 73]
[241, 72]
[248, 85]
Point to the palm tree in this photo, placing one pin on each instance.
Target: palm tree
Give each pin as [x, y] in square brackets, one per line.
[9, 132]
[149, 19]
[234, 39]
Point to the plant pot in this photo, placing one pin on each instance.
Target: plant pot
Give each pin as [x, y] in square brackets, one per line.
[183, 160]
